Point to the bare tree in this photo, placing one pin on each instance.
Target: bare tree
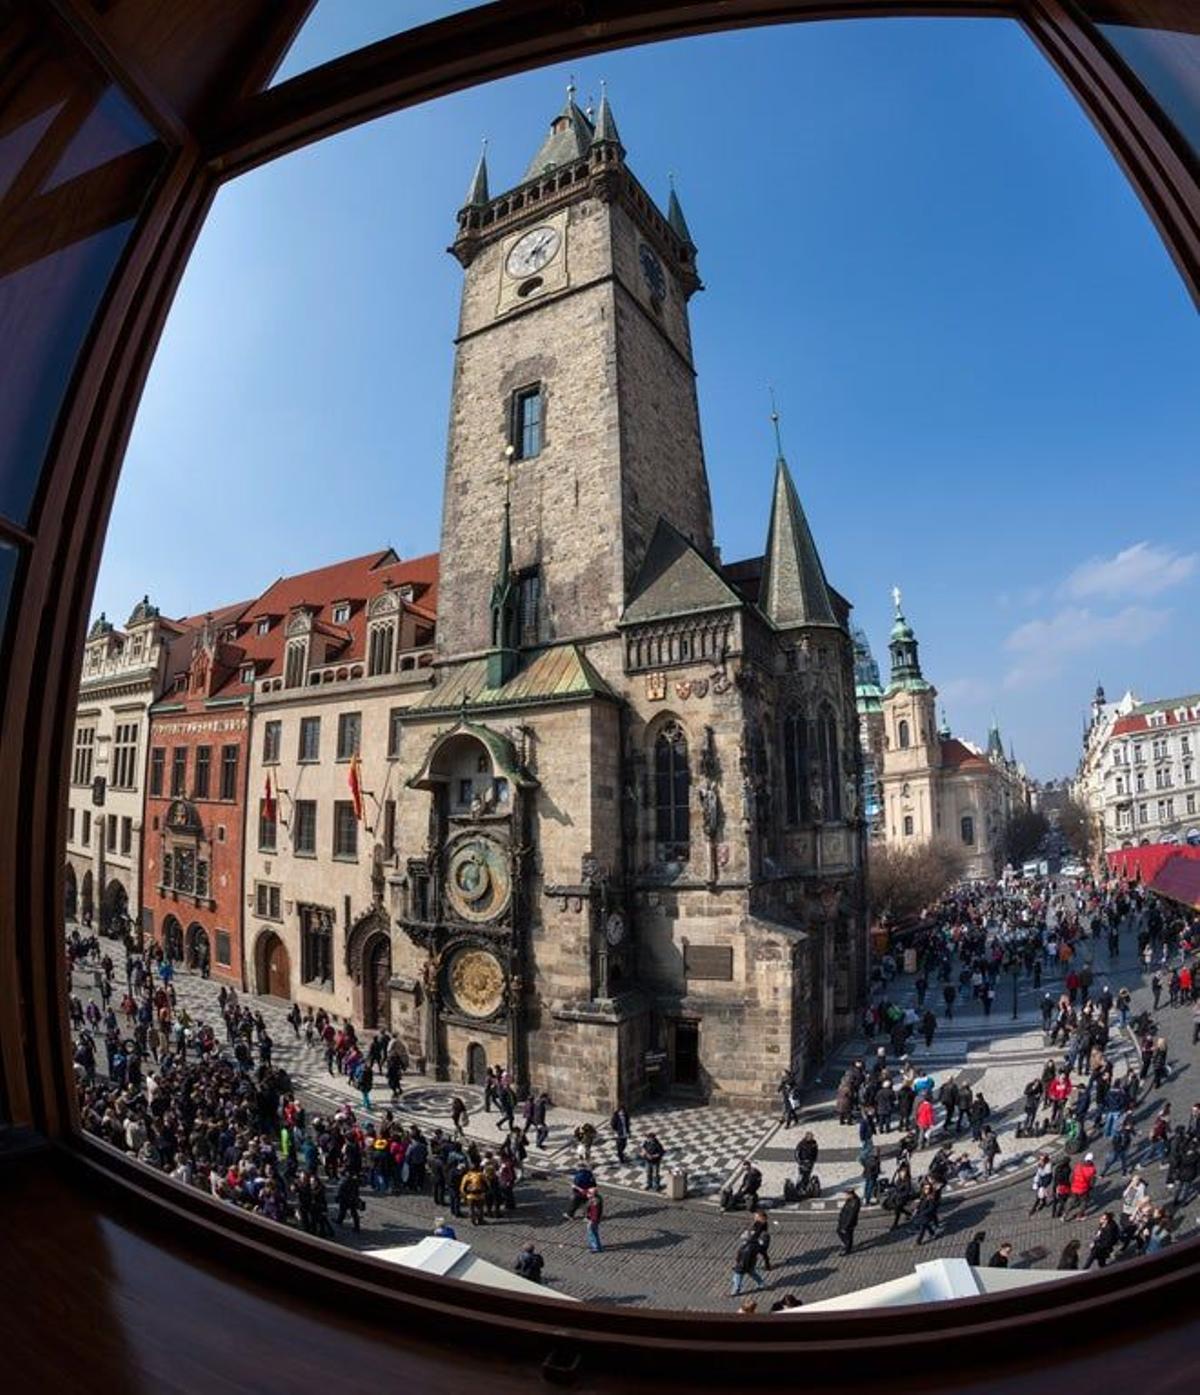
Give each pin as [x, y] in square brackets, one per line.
[1076, 826]
[903, 882]
[1023, 835]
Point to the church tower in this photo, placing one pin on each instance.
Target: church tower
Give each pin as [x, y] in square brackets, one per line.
[912, 747]
[573, 377]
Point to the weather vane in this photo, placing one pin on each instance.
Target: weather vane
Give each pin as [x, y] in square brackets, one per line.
[896, 598]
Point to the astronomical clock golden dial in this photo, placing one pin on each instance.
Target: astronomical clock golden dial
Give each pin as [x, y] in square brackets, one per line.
[478, 885]
[476, 982]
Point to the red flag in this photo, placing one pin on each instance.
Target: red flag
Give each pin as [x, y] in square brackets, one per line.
[269, 802]
[355, 779]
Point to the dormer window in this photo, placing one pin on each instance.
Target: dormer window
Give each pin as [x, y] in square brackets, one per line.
[406, 594]
[248, 673]
[341, 613]
[264, 625]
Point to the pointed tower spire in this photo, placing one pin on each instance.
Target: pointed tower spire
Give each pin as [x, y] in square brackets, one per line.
[902, 644]
[477, 194]
[606, 126]
[569, 139]
[944, 727]
[793, 590]
[675, 217]
[503, 660]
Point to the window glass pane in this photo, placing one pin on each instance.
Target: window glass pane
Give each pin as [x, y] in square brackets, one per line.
[335, 28]
[76, 162]
[1168, 64]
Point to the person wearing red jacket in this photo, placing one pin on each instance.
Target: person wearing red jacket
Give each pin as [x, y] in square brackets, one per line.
[1083, 1179]
[925, 1120]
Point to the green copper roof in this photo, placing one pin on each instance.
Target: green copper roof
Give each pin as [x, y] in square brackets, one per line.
[570, 136]
[500, 748]
[559, 674]
[793, 589]
[675, 580]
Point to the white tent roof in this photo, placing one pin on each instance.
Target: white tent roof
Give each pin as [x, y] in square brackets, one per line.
[932, 1282]
[452, 1259]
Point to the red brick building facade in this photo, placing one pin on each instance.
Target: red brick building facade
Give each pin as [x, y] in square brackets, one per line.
[195, 813]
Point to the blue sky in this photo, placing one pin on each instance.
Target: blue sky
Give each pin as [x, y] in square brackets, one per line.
[985, 361]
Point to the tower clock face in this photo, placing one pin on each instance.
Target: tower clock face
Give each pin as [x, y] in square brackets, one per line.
[531, 252]
[656, 278]
[614, 929]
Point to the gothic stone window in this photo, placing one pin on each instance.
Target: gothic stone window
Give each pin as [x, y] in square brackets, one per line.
[831, 775]
[316, 945]
[795, 767]
[526, 429]
[294, 668]
[529, 605]
[672, 794]
[380, 645]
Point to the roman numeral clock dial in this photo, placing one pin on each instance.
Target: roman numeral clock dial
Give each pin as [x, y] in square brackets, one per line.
[531, 252]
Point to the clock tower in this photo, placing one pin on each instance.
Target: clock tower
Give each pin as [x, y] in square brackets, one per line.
[574, 397]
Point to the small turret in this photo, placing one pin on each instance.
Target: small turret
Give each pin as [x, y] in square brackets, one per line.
[477, 194]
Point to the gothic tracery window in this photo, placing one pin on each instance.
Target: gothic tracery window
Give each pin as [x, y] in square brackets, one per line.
[831, 778]
[795, 767]
[672, 794]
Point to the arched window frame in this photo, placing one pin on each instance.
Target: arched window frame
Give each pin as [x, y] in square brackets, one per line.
[903, 738]
[796, 803]
[671, 793]
[831, 773]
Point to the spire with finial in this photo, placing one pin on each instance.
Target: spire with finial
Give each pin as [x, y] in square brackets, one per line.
[477, 194]
[675, 215]
[902, 644]
[569, 139]
[775, 423]
[606, 125]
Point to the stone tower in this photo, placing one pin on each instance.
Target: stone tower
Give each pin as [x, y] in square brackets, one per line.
[573, 379]
[911, 742]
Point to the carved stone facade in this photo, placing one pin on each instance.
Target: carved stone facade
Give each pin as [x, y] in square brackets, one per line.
[631, 852]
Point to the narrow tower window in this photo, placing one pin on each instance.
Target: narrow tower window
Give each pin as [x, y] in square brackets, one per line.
[795, 767]
[672, 794]
[526, 431]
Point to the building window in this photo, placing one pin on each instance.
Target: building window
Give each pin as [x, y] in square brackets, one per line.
[831, 775]
[293, 674]
[1185, 744]
[529, 606]
[158, 760]
[526, 436]
[316, 945]
[1143, 813]
[672, 794]
[224, 948]
[125, 743]
[248, 673]
[70, 825]
[266, 828]
[111, 842]
[304, 828]
[126, 836]
[310, 739]
[345, 829]
[203, 769]
[179, 772]
[379, 649]
[795, 768]
[903, 736]
[229, 765]
[168, 870]
[202, 878]
[394, 733]
[1141, 782]
[349, 735]
[264, 626]
[1191, 803]
[908, 825]
[266, 901]
[968, 830]
[389, 828]
[341, 612]
[272, 740]
[185, 870]
[81, 767]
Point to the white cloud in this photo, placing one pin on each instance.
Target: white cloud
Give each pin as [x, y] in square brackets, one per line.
[965, 690]
[1041, 646]
[1138, 571]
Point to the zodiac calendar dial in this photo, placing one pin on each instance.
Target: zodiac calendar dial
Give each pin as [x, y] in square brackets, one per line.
[478, 885]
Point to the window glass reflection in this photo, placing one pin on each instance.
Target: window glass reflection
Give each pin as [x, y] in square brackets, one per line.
[1168, 63]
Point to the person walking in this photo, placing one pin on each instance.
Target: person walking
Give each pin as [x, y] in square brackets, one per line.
[530, 1264]
[848, 1220]
[474, 1192]
[582, 1182]
[349, 1202]
[595, 1214]
[619, 1124]
[1103, 1242]
[1043, 1184]
[1083, 1179]
[925, 1120]
[366, 1081]
[745, 1263]
[926, 1217]
[1000, 1259]
[974, 1251]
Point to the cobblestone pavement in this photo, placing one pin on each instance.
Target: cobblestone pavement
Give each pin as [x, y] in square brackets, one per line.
[664, 1254]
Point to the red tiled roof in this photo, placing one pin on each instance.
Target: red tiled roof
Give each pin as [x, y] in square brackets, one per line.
[1143, 863]
[1182, 711]
[956, 756]
[1179, 878]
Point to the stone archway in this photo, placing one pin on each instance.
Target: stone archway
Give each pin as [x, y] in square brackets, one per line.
[172, 939]
[114, 908]
[70, 893]
[476, 1064]
[199, 950]
[376, 980]
[273, 970]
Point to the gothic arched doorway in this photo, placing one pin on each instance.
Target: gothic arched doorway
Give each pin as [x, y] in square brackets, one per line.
[114, 907]
[87, 904]
[377, 975]
[476, 1064]
[274, 972]
[198, 950]
[70, 893]
[172, 938]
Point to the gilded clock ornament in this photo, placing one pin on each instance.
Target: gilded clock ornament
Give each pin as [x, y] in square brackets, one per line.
[476, 982]
[478, 884]
[531, 252]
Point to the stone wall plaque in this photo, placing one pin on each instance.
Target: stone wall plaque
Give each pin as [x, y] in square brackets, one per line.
[708, 961]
